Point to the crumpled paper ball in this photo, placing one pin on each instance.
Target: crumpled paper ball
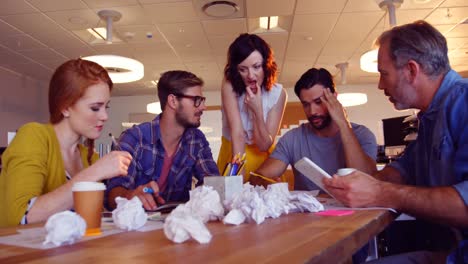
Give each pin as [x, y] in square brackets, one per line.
[234, 217]
[277, 199]
[205, 203]
[129, 214]
[257, 204]
[181, 225]
[187, 220]
[64, 228]
[306, 203]
[249, 203]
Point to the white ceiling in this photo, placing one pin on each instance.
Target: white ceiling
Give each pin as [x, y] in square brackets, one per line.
[38, 35]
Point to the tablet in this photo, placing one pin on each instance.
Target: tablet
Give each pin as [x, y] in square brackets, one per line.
[313, 172]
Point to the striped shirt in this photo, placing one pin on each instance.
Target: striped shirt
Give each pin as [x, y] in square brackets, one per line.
[193, 158]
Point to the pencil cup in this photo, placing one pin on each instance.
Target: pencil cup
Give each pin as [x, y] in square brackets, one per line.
[88, 199]
[344, 171]
[226, 187]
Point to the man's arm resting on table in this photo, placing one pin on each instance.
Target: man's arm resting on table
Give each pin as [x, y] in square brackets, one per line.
[440, 204]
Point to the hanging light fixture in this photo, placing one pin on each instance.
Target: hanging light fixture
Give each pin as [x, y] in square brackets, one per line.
[352, 99]
[349, 99]
[368, 61]
[121, 69]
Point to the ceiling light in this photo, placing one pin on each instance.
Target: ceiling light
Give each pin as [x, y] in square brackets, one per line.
[268, 22]
[220, 9]
[154, 108]
[368, 61]
[352, 99]
[342, 67]
[120, 69]
[109, 16]
[99, 33]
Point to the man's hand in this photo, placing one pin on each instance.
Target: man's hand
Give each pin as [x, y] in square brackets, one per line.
[335, 109]
[356, 189]
[150, 201]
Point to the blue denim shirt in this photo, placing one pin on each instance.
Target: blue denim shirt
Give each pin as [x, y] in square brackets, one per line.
[193, 158]
[439, 156]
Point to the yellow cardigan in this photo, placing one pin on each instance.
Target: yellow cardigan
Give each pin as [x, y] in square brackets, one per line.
[32, 166]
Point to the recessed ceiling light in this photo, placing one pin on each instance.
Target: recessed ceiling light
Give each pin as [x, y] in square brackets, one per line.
[220, 8]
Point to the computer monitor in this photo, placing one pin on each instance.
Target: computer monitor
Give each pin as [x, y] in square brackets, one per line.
[394, 131]
[394, 135]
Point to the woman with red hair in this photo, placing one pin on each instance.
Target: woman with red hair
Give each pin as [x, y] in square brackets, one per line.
[253, 103]
[44, 160]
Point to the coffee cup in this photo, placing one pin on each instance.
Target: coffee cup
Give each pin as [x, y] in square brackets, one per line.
[88, 200]
[344, 171]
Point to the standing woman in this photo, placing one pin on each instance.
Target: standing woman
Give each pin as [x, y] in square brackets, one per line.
[44, 160]
[252, 103]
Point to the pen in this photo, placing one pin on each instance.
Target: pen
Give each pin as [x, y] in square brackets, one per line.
[263, 177]
[116, 144]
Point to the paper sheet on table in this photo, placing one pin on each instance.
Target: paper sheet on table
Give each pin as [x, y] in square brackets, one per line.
[332, 204]
[34, 237]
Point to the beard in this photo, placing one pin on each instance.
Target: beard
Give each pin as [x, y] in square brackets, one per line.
[403, 95]
[326, 120]
[183, 120]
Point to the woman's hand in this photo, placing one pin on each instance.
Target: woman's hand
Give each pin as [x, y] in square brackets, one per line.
[113, 164]
[252, 100]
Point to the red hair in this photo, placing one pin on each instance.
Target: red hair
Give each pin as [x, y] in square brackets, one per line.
[69, 83]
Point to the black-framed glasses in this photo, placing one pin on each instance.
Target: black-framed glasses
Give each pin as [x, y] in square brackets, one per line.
[197, 100]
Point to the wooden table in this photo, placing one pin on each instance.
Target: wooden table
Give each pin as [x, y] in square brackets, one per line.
[293, 238]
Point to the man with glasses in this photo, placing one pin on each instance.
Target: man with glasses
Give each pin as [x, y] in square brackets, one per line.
[168, 151]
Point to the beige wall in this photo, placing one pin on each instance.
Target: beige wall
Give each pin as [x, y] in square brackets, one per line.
[22, 100]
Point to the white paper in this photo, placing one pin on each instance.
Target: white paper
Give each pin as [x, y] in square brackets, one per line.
[332, 204]
[64, 228]
[34, 237]
[129, 214]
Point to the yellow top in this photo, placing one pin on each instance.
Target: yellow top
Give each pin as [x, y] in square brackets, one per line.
[32, 166]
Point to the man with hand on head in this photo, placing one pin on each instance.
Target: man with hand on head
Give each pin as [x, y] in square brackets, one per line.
[329, 139]
[168, 151]
[430, 180]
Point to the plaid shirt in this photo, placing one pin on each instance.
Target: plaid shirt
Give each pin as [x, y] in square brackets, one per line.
[193, 158]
